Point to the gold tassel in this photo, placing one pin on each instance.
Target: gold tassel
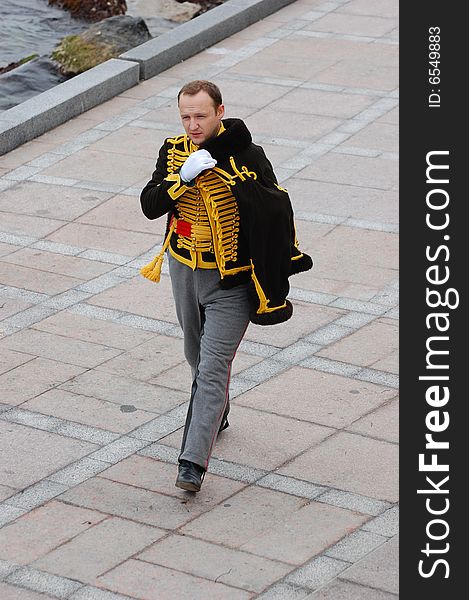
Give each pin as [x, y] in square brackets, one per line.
[152, 270]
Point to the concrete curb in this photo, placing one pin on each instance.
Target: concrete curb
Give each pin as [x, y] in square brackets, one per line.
[46, 111]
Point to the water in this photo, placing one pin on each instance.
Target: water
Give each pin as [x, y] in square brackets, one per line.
[32, 26]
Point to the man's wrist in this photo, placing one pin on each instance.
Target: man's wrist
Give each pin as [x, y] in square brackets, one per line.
[190, 183]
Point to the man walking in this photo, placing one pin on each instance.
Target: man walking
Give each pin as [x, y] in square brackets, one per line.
[232, 245]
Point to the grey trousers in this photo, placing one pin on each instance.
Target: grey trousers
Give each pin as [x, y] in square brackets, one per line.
[213, 321]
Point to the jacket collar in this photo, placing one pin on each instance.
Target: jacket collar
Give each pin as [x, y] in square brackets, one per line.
[230, 142]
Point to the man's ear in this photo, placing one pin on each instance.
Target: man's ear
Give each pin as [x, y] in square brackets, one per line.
[221, 111]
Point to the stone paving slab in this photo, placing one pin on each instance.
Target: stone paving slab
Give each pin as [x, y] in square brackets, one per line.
[140, 297]
[381, 136]
[345, 590]
[382, 423]
[66, 204]
[379, 568]
[83, 328]
[29, 225]
[119, 390]
[155, 355]
[358, 70]
[120, 212]
[43, 529]
[295, 125]
[358, 465]
[6, 492]
[88, 410]
[35, 280]
[216, 562]
[152, 582]
[321, 398]
[103, 238]
[26, 152]
[369, 345]
[389, 363]
[307, 319]
[48, 345]
[278, 526]
[9, 359]
[98, 549]
[262, 439]
[91, 356]
[155, 475]
[142, 504]
[41, 374]
[354, 170]
[51, 263]
[6, 249]
[22, 465]
[178, 378]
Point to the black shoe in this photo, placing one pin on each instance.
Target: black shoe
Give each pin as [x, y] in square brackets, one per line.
[224, 422]
[190, 476]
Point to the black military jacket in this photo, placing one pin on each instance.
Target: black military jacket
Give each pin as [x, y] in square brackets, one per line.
[250, 215]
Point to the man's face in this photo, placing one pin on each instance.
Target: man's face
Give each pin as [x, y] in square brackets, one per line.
[199, 117]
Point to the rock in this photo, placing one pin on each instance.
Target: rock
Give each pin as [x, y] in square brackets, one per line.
[104, 40]
[73, 55]
[27, 80]
[92, 10]
[121, 33]
[206, 5]
[167, 9]
[13, 65]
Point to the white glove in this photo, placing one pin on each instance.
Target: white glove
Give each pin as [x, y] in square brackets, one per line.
[195, 164]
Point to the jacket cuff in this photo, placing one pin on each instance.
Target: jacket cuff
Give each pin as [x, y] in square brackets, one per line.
[179, 186]
[274, 317]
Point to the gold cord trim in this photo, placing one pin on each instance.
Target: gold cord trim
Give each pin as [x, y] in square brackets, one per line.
[263, 300]
[243, 173]
[209, 206]
[152, 270]
[178, 189]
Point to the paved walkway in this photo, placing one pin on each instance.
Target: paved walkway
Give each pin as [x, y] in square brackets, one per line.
[301, 497]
